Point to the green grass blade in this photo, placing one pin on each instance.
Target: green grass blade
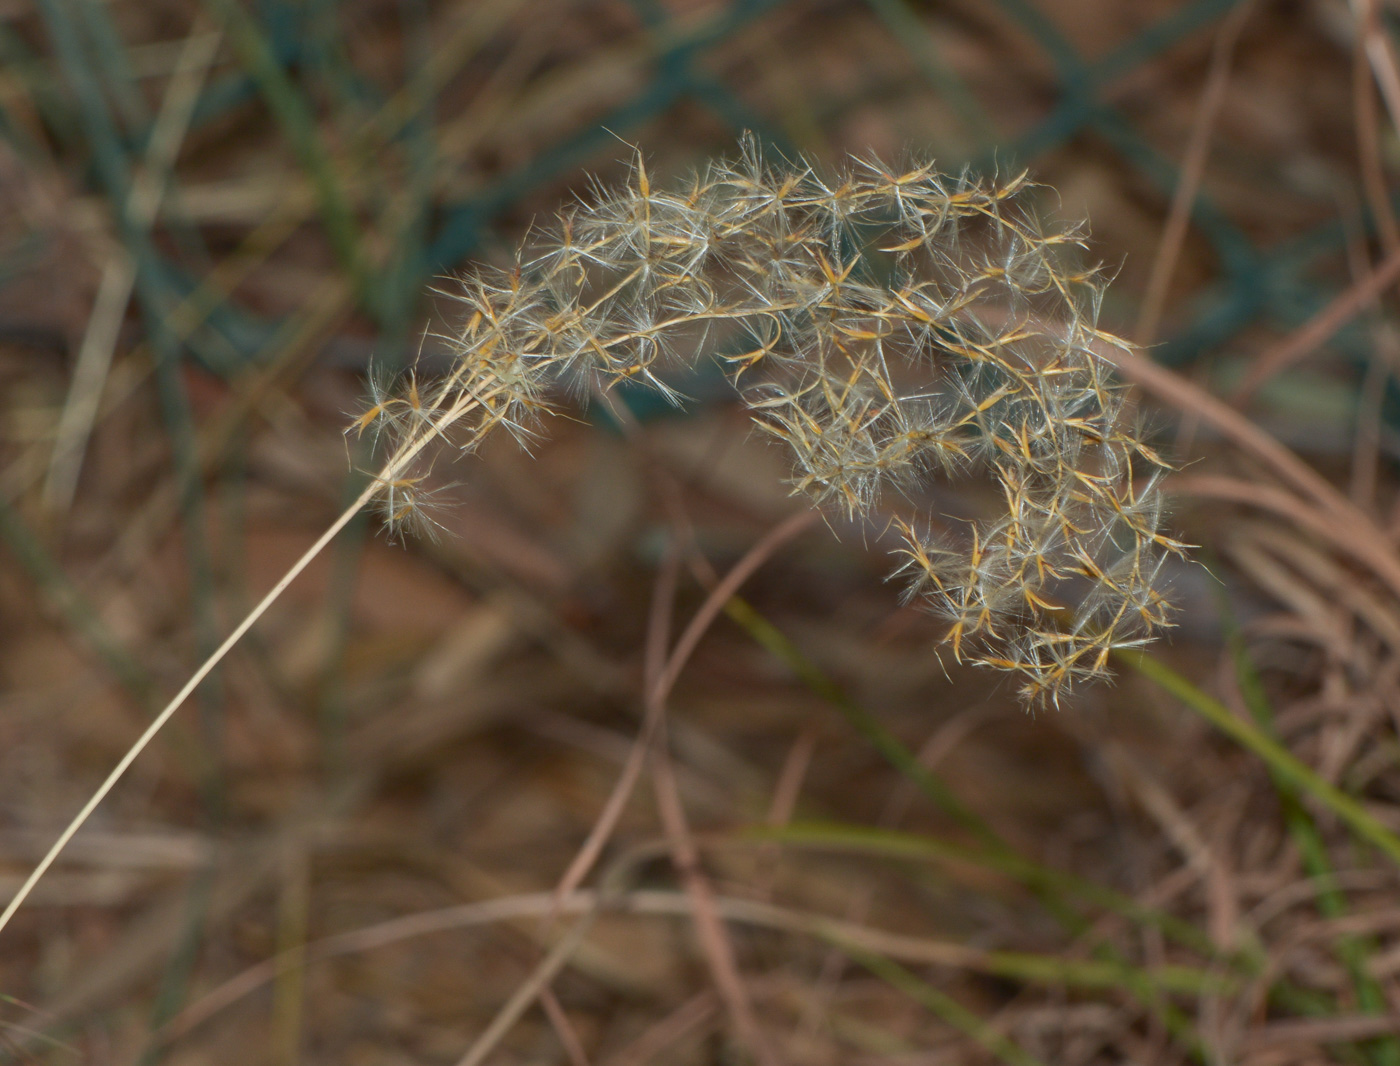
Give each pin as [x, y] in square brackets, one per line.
[947, 1008]
[1354, 952]
[1282, 763]
[1052, 887]
[294, 114]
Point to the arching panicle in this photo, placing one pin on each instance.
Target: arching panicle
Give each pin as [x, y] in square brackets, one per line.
[831, 292]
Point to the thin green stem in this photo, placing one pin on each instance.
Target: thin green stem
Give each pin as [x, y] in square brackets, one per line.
[1283, 764]
[947, 1008]
[1353, 951]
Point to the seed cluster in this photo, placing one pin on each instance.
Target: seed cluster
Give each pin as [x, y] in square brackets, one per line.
[887, 324]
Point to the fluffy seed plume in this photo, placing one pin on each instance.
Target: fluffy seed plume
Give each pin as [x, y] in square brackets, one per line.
[888, 325]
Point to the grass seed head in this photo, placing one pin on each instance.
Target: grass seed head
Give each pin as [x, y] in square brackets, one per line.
[834, 292]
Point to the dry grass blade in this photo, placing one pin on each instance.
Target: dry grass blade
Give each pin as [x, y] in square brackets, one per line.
[1379, 558]
[1318, 329]
[563, 1028]
[714, 938]
[1368, 149]
[659, 688]
[119, 272]
[1185, 834]
[524, 995]
[1334, 581]
[690, 1017]
[1381, 54]
[1188, 183]
[662, 673]
[840, 933]
[1320, 1032]
[1195, 401]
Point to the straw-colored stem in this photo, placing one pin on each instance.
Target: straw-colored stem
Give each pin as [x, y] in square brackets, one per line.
[391, 470]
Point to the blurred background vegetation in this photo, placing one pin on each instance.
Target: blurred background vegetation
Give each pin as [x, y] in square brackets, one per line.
[217, 216]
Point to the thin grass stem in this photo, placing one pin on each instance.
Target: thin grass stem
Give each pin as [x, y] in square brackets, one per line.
[391, 470]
